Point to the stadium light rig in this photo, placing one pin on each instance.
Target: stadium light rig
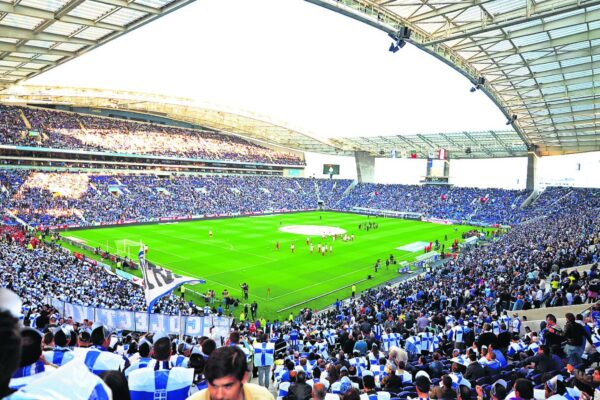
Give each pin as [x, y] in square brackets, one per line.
[512, 119]
[480, 83]
[399, 38]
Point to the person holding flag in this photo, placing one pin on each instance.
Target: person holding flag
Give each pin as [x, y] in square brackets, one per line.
[263, 358]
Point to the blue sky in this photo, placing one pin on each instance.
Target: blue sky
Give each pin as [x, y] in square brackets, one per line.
[290, 60]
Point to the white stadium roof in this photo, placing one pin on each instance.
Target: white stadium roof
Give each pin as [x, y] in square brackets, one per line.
[537, 60]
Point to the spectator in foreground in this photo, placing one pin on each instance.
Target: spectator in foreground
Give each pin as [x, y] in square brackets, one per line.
[226, 371]
[10, 349]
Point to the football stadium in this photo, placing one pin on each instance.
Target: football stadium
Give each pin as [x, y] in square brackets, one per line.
[320, 199]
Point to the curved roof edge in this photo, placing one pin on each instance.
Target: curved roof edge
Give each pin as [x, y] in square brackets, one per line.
[538, 60]
[227, 120]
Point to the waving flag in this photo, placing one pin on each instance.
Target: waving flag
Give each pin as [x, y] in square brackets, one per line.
[159, 281]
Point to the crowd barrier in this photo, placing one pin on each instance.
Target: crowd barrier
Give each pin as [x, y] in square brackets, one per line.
[144, 322]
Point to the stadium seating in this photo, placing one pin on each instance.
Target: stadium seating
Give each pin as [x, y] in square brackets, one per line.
[63, 130]
[476, 293]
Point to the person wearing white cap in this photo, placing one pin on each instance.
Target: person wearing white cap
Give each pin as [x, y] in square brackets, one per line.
[422, 385]
[497, 390]
[555, 389]
[98, 359]
[161, 381]
[60, 354]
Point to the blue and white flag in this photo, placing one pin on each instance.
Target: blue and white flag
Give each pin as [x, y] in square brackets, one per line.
[99, 361]
[516, 347]
[72, 381]
[323, 349]
[59, 356]
[143, 362]
[178, 360]
[282, 391]
[534, 347]
[458, 380]
[172, 384]
[596, 341]
[413, 345]
[159, 281]
[263, 354]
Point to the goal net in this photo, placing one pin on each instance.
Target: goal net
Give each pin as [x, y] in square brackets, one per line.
[127, 248]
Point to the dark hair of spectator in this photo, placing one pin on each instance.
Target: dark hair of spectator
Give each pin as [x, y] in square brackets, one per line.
[10, 349]
[226, 361]
[208, 346]
[31, 346]
[117, 383]
[351, 394]
[525, 388]
[162, 349]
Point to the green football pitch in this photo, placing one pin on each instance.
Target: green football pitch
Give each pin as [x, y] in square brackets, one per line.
[244, 250]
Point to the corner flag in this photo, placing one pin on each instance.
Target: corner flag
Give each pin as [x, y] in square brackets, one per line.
[159, 281]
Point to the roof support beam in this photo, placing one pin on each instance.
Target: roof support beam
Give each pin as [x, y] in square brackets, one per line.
[25, 34]
[48, 15]
[552, 72]
[546, 44]
[442, 11]
[506, 147]
[133, 6]
[512, 18]
[33, 50]
[28, 60]
[583, 17]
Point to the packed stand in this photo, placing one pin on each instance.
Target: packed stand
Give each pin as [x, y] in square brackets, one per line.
[38, 272]
[64, 130]
[470, 204]
[422, 339]
[84, 199]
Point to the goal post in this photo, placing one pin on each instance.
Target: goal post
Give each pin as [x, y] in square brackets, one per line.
[126, 247]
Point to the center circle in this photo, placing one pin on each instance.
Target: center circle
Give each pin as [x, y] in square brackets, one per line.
[313, 230]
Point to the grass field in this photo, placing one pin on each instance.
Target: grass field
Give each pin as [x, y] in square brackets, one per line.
[244, 250]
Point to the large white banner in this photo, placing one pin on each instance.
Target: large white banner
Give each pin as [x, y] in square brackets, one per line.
[144, 322]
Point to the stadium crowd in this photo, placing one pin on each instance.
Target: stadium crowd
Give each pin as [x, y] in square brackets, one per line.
[50, 272]
[82, 199]
[484, 205]
[71, 198]
[452, 333]
[459, 323]
[433, 337]
[56, 129]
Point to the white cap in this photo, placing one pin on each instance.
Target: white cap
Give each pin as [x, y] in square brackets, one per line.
[422, 373]
[159, 335]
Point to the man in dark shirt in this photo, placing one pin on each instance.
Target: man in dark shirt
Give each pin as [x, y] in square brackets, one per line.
[474, 370]
[487, 338]
[299, 390]
[544, 361]
[576, 336]
[503, 338]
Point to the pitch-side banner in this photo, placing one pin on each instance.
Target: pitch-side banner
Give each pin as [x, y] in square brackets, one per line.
[144, 322]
